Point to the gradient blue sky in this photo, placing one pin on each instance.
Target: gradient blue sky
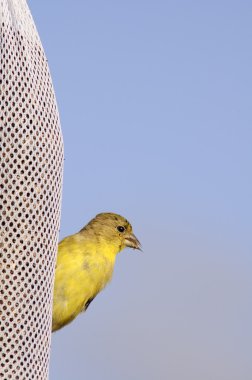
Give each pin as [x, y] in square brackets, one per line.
[155, 106]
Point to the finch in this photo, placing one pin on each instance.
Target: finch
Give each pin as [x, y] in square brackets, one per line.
[85, 264]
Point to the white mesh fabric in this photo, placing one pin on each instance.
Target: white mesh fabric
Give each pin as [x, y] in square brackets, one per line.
[31, 157]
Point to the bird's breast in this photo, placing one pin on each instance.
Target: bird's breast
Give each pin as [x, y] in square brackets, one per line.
[99, 271]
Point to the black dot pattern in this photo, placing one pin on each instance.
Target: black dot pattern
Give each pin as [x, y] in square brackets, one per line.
[31, 161]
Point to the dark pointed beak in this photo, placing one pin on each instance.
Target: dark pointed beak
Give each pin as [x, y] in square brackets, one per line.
[131, 241]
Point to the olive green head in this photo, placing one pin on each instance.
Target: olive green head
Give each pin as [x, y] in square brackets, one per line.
[113, 229]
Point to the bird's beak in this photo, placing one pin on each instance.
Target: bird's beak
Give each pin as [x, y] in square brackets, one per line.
[131, 241]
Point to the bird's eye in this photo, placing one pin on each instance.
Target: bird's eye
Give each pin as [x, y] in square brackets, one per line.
[120, 228]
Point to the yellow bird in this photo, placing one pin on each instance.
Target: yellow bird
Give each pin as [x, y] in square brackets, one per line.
[85, 264]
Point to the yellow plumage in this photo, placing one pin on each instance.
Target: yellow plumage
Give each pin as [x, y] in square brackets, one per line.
[85, 264]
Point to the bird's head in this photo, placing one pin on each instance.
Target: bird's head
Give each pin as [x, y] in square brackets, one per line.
[114, 230]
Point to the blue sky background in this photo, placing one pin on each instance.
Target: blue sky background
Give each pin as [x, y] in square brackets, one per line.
[155, 106]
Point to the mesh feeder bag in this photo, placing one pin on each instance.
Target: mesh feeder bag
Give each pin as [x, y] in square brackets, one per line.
[31, 159]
